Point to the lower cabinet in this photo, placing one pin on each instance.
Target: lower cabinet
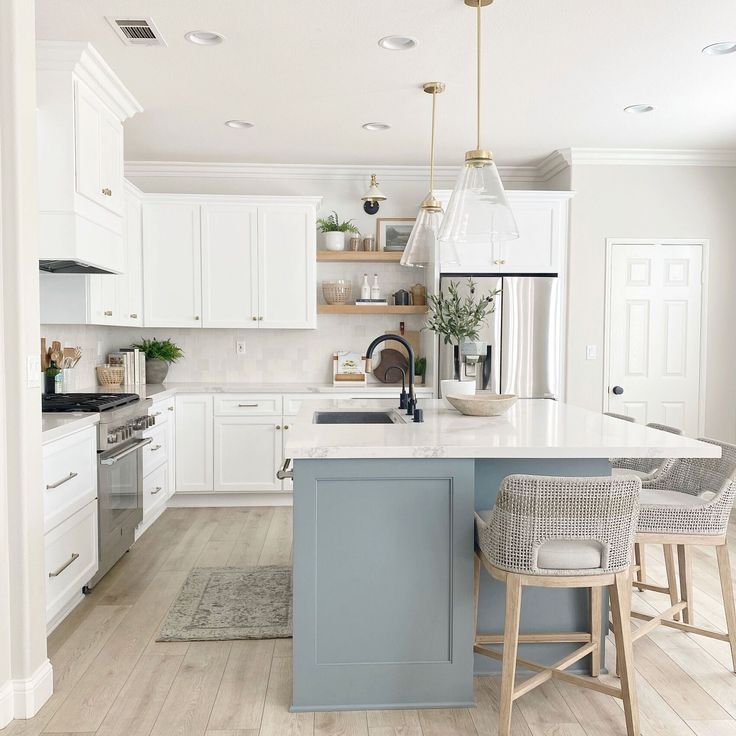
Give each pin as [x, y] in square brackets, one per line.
[194, 446]
[155, 493]
[71, 560]
[248, 452]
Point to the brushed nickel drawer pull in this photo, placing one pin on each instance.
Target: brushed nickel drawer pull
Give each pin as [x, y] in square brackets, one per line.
[158, 488]
[155, 414]
[171, 408]
[108, 313]
[248, 406]
[157, 447]
[134, 316]
[61, 482]
[58, 572]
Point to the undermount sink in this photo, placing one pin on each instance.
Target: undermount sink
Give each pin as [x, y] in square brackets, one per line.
[357, 417]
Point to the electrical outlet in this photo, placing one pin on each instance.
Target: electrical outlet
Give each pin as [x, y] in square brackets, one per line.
[591, 352]
[33, 371]
[240, 347]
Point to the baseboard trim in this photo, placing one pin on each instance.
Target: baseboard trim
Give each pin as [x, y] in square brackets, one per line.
[30, 694]
[6, 703]
[204, 500]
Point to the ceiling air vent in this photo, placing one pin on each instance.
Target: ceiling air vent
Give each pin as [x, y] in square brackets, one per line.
[137, 31]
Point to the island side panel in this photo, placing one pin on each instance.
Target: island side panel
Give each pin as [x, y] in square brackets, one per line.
[542, 609]
[382, 583]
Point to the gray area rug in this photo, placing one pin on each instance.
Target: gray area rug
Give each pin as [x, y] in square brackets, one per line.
[224, 603]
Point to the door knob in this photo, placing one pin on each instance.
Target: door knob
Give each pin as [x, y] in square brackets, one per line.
[618, 390]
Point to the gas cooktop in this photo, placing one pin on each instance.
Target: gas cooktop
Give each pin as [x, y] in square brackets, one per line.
[85, 402]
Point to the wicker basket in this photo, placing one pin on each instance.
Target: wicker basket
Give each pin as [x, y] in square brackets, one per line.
[110, 375]
[337, 292]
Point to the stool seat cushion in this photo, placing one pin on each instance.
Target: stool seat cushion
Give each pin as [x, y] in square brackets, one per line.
[659, 497]
[638, 473]
[570, 554]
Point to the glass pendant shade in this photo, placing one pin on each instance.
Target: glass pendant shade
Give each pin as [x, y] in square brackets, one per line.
[421, 248]
[478, 211]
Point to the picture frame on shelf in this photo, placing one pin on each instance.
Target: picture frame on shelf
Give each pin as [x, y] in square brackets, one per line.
[392, 233]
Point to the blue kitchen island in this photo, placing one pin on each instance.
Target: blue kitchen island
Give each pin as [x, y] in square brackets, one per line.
[383, 544]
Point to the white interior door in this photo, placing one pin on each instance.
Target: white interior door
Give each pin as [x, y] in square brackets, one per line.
[655, 298]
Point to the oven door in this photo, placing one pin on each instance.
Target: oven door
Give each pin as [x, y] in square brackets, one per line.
[120, 489]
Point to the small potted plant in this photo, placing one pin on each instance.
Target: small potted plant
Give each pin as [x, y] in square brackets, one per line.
[458, 319]
[160, 354]
[334, 231]
[420, 369]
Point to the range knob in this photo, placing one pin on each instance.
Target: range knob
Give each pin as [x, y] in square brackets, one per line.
[112, 438]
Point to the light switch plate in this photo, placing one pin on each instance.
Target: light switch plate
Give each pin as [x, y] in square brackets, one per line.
[33, 371]
[240, 347]
[591, 352]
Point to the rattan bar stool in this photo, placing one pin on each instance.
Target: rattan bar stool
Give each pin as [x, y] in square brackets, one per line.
[645, 467]
[688, 502]
[561, 533]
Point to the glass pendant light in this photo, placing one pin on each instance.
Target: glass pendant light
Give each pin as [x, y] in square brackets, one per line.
[478, 211]
[421, 248]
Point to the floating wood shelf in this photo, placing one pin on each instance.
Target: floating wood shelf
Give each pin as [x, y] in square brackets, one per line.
[373, 309]
[359, 255]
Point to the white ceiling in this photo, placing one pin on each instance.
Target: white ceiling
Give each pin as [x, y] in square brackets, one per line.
[557, 74]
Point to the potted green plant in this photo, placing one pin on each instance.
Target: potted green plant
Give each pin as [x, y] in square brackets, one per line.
[334, 231]
[160, 354]
[420, 369]
[458, 319]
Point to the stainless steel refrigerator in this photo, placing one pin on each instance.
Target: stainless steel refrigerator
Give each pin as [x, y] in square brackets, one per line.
[520, 342]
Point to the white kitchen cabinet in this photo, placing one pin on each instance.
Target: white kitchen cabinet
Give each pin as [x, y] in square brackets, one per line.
[101, 299]
[541, 247]
[286, 267]
[229, 265]
[248, 452]
[81, 105]
[194, 443]
[172, 265]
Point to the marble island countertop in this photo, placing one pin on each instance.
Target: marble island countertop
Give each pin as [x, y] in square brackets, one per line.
[533, 428]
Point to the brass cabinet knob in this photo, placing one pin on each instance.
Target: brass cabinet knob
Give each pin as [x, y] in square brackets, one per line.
[286, 426]
[171, 408]
[254, 318]
[278, 426]
[107, 192]
[196, 318]
[134, 316]
[260, 318]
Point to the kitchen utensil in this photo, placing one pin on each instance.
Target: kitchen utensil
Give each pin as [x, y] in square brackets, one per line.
[44, 355]
[419, 295]
[337, 292]
[483, 403]
[401, 298]
[390, 359]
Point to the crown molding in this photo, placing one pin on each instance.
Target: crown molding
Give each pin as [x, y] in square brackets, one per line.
[648, 157]
[319, 172]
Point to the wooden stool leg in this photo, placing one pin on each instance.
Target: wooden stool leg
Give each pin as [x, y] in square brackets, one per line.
[596, 613]
[641, 561]
[476, 590]
[685, 563]
[669, 563]
[510, 647]
[620, 593]
[724, 571]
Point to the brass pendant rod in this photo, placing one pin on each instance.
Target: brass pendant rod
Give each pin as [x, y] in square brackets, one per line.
[431, 153]
[478, 33]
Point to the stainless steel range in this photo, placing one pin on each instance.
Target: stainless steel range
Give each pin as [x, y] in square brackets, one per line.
[123, 418]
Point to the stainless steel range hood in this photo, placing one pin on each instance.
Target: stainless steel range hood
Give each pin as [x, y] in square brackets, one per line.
[69, 266]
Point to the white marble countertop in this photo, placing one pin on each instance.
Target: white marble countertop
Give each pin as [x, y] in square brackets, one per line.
[54, 426]
[533, 428]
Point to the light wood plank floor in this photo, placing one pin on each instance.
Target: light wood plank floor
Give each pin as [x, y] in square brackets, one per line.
[113, 679]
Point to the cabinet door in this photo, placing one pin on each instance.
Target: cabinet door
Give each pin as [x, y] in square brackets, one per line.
[172, 273]
[286, 267]
[130, 284]
[111, 162]
[102, 294]
[248, 452]
[87, 161]
[229, 266]
[194, 443]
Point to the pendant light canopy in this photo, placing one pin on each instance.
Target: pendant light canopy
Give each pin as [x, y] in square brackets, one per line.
[421, 248]
[478, 211]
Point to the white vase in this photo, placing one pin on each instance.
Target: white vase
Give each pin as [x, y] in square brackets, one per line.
[450, 387]
[335, 241]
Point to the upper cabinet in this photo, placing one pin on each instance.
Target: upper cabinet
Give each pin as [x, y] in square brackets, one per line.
[81, 107]
[172, 267]
[238, 262]
[541, 247]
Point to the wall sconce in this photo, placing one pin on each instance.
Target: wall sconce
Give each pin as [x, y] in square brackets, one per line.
[372, 197]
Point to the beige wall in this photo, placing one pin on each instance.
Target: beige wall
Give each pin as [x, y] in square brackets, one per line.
[631, 201]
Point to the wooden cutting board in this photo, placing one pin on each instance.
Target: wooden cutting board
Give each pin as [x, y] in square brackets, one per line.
[389, 359]
[413, 337]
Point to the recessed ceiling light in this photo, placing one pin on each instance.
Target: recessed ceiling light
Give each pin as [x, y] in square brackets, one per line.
[638, 109]
[718, 49]
[376, 126]
[204, 38]
[240, 124]
[397, 43]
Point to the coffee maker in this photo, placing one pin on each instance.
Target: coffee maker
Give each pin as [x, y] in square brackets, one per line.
[476, 363]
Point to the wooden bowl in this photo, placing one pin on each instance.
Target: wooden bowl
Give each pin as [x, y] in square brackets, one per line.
[483, 403]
